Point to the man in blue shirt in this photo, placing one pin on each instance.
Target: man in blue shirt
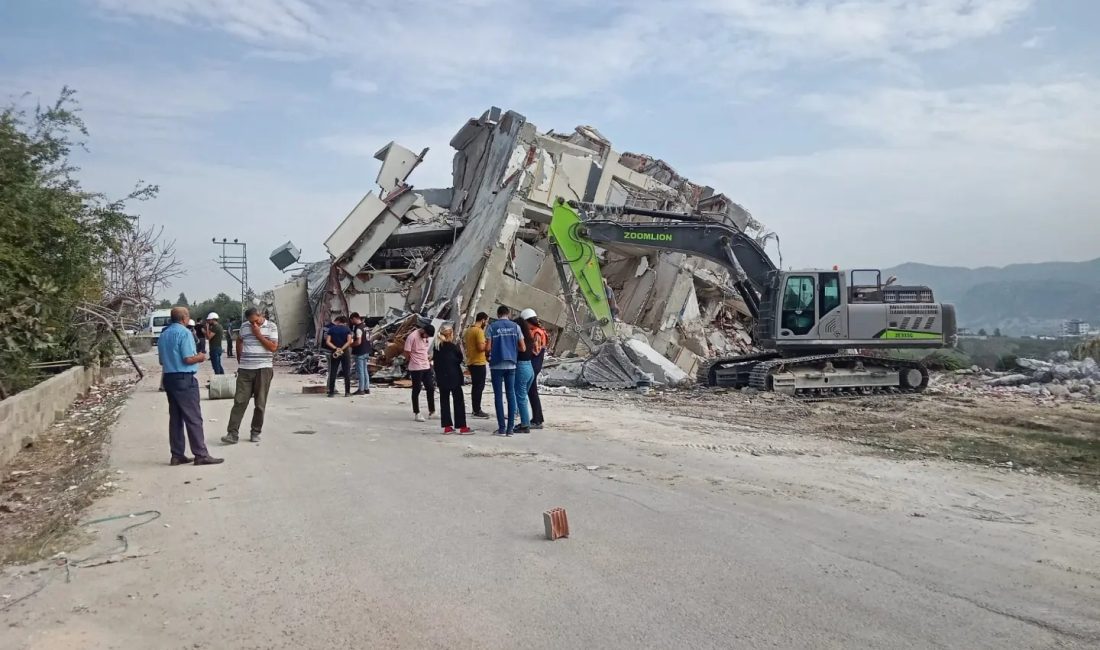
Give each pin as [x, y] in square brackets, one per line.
[180, 361]
[505, 342]
[338, 339]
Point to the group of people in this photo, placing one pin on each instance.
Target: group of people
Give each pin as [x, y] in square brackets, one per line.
[210, 331]
[510, 352]
[180, 358]
[344, 340]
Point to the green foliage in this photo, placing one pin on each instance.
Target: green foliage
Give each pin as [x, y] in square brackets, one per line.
[225, 306]
[55, 237]
[181, 301]
[164, 304]
[1001, 353]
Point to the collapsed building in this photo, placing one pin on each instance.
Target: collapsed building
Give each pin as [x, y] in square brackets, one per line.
[447, 254]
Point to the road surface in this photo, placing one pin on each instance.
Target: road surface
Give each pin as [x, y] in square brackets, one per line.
[351, 526]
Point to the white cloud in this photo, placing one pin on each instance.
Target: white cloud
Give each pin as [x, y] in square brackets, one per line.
[968, 176]
[1060, 114]
[578, 48]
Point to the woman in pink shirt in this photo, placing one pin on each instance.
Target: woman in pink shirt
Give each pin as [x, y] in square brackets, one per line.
[417, 347]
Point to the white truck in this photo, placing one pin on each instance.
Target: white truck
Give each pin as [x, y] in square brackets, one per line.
[158, 320]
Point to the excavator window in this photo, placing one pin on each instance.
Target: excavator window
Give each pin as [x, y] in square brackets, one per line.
[829, 284]
[798, 305]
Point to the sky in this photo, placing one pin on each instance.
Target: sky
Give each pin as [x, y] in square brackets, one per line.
[863, 132]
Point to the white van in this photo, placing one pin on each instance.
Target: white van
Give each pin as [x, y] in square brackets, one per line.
[158, 320]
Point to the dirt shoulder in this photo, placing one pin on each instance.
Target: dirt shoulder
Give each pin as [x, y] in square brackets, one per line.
[50, 482]
[1035, 436]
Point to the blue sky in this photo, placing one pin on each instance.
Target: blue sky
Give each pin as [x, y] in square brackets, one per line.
[865, 132]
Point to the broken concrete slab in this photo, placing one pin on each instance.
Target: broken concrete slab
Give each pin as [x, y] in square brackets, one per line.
[611, 367]
[291, 305]
[397, 163]
[649, 360]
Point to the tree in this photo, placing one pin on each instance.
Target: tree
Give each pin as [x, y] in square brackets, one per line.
[982, 332]
[997, 332]
[182, 300]
[164, 304]
[56, 239]
[141, 266]
[225, 306]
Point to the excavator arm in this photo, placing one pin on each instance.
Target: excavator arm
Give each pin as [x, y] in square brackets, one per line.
[575, 238]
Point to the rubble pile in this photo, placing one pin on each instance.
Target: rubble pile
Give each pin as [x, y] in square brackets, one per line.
[1060, 378]
[447, 254]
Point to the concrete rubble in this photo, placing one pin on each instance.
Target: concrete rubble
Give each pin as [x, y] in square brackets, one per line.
[1058, 379]
[446, 254]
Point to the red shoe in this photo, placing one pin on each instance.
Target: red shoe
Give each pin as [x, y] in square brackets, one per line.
[465, 431]
[448, 430]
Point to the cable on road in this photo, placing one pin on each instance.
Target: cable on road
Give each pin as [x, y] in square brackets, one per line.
[68, 564]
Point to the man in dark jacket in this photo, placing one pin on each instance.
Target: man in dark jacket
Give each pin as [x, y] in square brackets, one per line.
[361, 349]
[337, 342]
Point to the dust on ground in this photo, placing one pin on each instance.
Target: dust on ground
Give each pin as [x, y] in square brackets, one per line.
[52, 480]
[1030, 435]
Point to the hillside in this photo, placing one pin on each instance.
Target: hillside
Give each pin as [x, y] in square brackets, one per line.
[1020, 299]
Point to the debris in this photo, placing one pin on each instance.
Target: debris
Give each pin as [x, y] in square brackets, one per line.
[556, 523]
[403, 257]
[591, 468]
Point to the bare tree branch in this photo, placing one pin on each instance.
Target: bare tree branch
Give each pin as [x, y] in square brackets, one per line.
[141, 267]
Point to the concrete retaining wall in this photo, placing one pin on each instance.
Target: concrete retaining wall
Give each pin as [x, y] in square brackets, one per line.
[24, 416]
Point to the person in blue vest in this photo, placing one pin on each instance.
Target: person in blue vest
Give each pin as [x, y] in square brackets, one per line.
[505, 343]
[180, 361]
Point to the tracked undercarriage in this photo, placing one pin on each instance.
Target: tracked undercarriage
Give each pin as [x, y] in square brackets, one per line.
[817, 376]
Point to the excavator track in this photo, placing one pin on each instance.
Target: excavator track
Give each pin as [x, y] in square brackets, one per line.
[731, 371]
[833, 376]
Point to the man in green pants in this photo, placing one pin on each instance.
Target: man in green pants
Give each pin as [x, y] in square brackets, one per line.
[256, 345]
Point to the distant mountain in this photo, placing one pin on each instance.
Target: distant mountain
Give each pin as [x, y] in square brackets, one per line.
[1019, 299]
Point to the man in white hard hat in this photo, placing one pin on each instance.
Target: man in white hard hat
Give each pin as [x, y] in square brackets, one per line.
[215, 334]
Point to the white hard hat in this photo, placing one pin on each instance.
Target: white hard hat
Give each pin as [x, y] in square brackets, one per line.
[212, 316]
[528, 314]
[191, 322]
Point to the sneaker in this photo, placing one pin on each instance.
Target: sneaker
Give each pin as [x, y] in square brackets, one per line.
[508, 434]
[498, 432]
[481, 414]
[448, 430]
[255, 437]
[366, 392]
[465, 431]
[536, 425]
[523, 429]
[332, 394]
[229, 439]
[418, 417]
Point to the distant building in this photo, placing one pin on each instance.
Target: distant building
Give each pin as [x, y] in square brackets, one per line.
[1076, 328]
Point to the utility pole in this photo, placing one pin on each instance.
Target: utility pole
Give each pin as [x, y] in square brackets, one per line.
[236, 265]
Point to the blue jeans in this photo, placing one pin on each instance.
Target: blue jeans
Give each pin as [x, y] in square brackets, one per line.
[361, 371]
[525, 374]
[504, 383]
[216, 359]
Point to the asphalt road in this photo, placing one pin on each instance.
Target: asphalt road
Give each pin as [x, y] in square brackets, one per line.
[351, 526]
